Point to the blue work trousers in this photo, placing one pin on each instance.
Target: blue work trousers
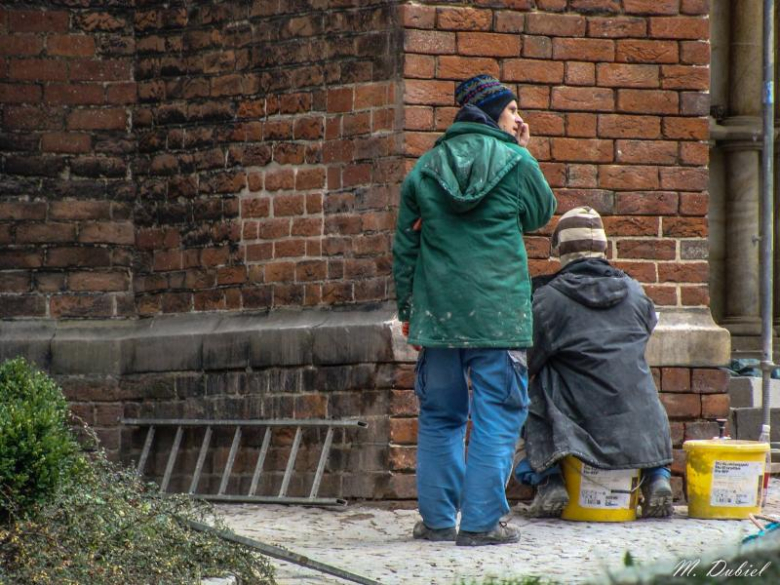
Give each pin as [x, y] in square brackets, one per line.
[525, 474]
[451, 478]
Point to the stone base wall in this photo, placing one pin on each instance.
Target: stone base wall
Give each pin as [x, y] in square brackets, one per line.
[307, 365]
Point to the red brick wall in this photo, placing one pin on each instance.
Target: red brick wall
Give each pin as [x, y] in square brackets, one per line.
[190, 158]
[615, 94]
[66, 189]
[248, 155]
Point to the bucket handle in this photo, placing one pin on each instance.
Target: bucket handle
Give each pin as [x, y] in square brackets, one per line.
[601, 485]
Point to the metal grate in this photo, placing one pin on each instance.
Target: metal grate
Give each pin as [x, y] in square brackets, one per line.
[270, 425]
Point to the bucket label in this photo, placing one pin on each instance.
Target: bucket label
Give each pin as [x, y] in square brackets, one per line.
[736, 483]
[606, 489]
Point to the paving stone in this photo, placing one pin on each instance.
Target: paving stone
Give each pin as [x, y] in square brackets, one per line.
[375, 541]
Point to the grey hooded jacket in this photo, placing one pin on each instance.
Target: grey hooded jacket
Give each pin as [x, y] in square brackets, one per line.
[592, 393]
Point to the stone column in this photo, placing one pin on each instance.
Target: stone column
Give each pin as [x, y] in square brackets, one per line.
[742, 170]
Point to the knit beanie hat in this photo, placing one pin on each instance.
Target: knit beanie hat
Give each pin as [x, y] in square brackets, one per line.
[579, 234]
[485, 92]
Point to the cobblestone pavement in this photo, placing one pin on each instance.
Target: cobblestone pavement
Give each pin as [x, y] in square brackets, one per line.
[375, 541]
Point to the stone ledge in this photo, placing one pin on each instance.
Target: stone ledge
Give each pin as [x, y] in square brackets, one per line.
[207, 341]
[222, 341]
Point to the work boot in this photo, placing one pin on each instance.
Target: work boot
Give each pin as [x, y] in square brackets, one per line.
[501, 534]
[551, 498]
[657, 498]
[422, 532]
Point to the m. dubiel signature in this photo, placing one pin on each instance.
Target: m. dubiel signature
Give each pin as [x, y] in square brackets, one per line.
[718, 568]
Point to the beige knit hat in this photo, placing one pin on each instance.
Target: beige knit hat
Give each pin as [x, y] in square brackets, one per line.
[579, 234]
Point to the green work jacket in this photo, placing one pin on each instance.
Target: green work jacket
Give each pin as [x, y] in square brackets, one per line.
[462, 279]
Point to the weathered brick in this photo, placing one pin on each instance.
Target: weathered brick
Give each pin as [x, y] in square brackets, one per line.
[37, 70]
[38, 21]
[537, 47]
[584, 150]
[646, 152]
[489, 44]
[694, 153]
[20, 45]
[715, 406]
[42, 233]
[695, 52]
[684, 272]
[584, 49]
[646, 51]
[581, 125]
[679, 27]
[403, 431]
[429, 42]
[628, 177]
[616, 27]
[647, 203]
[647, 101]
[419, 66]
[646, 249]
[580, 73]
[621, 75]
[662, 295]
[104, 119]
[98, 281]
[685, 227]
[695, 7]
[564, 25]
[589, 99]
[533, 71]
[429, 92]
[80, 306]
[16, 93]
[107, 233]
[459, 68]
[684, 179]
[415, 16]
[652, 6]
[509, 22]
[686, 128]
[468, 19]
[681, 405]
[631, 226]
[696, 296]
[709, 380]
[70, 45]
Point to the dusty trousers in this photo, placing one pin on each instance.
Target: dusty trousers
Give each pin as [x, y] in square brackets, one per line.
[451, 478]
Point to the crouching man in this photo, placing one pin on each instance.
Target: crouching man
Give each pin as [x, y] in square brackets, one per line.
[592, 393]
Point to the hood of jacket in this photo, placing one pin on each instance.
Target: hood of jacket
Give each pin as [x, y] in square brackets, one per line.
[592, 282]
[471, 158]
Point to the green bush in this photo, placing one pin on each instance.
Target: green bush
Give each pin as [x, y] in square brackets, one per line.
[37, 448]
[105, 526]
[76, 518]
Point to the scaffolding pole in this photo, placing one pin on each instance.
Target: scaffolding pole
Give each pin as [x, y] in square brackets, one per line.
[767, 217]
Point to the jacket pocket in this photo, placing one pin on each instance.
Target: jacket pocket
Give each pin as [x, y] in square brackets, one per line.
[517, 379]
[419, 378]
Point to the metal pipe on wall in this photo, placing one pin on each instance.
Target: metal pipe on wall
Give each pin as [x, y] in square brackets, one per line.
[767, 212]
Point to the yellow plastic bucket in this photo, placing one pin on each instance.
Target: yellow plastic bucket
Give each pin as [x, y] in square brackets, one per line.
[599, 495]
[724, 477]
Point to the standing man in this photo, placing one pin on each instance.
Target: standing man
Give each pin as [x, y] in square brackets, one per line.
[464, 295]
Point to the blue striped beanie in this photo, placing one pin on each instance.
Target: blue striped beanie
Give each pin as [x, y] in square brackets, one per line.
[485, 92]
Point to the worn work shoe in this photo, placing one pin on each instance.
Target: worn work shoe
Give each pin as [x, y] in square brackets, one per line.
[551, 498]
[657, 498]
[422, 532]
[501, 534]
